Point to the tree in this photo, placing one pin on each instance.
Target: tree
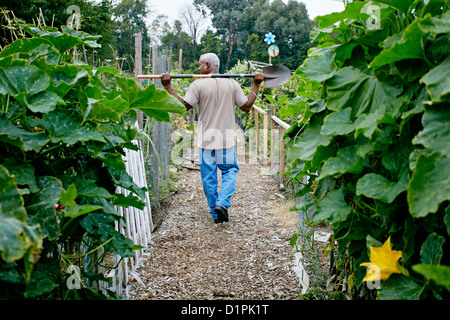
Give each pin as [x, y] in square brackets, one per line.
[130, 19]
[213, 42]
[193, 19]
[227, 18]
[243, 24]
[291, 25]
[177, 39]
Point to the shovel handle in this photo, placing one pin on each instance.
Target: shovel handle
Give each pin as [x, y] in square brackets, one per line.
[200, 76]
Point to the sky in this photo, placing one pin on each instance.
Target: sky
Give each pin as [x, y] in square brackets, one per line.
[315, 7]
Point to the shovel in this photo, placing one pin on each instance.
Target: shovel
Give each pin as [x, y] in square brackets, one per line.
[275, 75]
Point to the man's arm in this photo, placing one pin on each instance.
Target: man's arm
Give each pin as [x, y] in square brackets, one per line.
[165, 80]
[259, 77]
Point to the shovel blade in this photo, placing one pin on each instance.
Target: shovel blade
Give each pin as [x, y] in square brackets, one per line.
[276, 75]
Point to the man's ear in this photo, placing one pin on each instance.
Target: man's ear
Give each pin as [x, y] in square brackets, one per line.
[208, 65]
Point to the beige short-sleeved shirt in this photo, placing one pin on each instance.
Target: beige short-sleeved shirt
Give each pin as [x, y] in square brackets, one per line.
[216, 98]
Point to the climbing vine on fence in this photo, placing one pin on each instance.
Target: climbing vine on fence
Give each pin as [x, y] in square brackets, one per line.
[375, 144]
[62, 137]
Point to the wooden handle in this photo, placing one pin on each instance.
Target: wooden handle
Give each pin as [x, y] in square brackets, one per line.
[158, 76]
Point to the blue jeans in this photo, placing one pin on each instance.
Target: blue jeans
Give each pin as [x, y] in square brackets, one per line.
[226, 161]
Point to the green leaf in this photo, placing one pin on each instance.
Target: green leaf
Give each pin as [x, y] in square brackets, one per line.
[11, 202]
[79, 34]
[62, 41]
[106, 70]
[129, 201]
[367, 124]
[77, 210]
[375, 186]
[431, 251]
[365, 93]
[89, 189]
[24, 45]
[122, 179]
[400, 287]
[406, 45]
[436, 132]
[333, 208]
[436, 25]
[121, 246]
[23, 80]
[40, 282]
[351, 12]
[24, 173]
[154, 102]
[65, 127]
[68, 196]
[319, 65]
[113, 160]
[96, 110]
[44, 102]
[345, 161]
[18, 238]
[428, 186]
[440, 274]
[66, 77]
[41, 206]
[437, 81]
[153, 99]
[402, 5]
[338, 123]
[308, 142]
[21, 138]
[447, 219]
[99, 224]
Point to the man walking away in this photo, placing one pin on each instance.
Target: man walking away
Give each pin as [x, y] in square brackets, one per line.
[216, 99]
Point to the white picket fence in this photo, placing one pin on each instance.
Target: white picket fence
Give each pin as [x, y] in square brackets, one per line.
[138, 227]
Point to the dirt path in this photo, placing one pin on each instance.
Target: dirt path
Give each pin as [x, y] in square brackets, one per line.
[247, 258]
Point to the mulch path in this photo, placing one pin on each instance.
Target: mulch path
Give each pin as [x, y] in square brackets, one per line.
[250, 257]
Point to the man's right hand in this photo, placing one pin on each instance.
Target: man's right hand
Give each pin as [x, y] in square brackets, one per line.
[165, 80]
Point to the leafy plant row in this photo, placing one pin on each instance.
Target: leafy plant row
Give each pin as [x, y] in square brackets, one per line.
[62, 138]
[375, 144]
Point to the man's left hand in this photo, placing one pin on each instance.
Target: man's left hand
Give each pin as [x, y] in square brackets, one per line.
[259, 77]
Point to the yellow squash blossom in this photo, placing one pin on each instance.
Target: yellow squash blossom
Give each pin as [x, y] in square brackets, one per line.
[383, 262]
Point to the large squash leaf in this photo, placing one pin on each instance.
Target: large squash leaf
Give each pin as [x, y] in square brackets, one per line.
[429, 185]
[21, 138]
[350, 87]
[11, 202]
[41, 206]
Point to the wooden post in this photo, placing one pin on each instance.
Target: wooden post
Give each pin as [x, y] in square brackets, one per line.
[282, 157]
[257, 131]
[272, 141]
[180, 60]
[138, 70]
[265, 137]
[155, 133]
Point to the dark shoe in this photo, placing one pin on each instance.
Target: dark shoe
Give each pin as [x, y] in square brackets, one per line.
[222, 213]
[217, 221]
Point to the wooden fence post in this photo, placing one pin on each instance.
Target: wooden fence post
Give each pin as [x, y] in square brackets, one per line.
[265, 137]
[282, 157]
[257, 131]
[138, 70]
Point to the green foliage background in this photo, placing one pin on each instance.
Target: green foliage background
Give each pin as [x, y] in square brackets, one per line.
[374, 141]
[62, 137]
